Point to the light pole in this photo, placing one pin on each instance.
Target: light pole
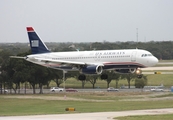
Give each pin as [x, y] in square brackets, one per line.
[64, 72]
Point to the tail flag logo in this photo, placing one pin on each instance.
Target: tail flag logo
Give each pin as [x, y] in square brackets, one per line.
[35, 43]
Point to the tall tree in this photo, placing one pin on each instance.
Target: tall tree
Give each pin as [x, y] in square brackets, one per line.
[4, 62]
[92, 79]
[57, 76]
[39, 74]
[112, 76]
[141, 82]
[129, 78]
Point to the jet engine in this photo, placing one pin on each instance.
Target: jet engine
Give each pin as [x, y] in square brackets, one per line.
[92, 69]
[132, 70]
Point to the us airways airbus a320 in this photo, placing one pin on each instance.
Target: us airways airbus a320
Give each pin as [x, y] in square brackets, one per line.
[89, 62]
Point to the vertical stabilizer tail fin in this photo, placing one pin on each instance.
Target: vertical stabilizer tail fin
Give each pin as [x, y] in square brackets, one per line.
[36, 44]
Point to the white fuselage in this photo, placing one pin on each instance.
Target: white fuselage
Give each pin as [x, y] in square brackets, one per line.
[121, 58]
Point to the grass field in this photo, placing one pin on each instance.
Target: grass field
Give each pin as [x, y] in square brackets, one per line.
[82, 102]
[163, 61]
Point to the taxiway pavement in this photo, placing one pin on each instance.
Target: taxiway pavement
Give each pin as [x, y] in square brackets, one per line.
[90, 116]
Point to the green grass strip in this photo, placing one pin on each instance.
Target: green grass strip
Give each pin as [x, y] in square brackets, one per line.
[18, 106]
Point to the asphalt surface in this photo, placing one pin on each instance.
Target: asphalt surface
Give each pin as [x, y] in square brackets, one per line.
[90, 116]
[158, 68]
[124, 89]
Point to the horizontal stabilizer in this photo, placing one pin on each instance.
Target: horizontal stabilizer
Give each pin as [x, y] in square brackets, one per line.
[18, 57]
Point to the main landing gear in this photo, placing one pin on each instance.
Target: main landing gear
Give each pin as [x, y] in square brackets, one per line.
[139, 76]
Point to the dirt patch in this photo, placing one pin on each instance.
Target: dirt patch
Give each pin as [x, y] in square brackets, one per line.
[55, 98]
[99, 97]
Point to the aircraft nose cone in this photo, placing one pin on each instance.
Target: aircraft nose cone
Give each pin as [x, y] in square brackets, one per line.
[155, 61]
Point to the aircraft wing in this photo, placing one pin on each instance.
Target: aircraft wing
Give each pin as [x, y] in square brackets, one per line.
[67, 62]
[63, 62]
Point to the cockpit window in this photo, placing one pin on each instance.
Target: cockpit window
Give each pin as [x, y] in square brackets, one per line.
[145, 55]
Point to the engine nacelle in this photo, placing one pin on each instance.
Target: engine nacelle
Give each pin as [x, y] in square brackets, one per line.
[92, 70]
[132, 70]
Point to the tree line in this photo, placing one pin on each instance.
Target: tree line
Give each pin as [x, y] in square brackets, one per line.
[161, 49]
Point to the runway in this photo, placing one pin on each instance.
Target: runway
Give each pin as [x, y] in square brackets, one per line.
[158, 68]
[90, 116]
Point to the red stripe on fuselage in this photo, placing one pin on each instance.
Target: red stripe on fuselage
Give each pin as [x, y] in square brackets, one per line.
[123, 63]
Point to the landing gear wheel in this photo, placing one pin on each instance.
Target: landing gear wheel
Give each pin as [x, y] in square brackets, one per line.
[82, 77]
[139, 76]
[104, 76]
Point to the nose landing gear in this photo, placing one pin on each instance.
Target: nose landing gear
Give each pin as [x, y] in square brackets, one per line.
[139, 73]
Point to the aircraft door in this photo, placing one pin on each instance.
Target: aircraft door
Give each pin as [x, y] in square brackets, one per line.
[133, 56]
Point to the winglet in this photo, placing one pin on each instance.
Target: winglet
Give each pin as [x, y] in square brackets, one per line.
[36, 44]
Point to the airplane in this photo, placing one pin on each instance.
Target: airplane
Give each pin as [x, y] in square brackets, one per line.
[89, 62]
